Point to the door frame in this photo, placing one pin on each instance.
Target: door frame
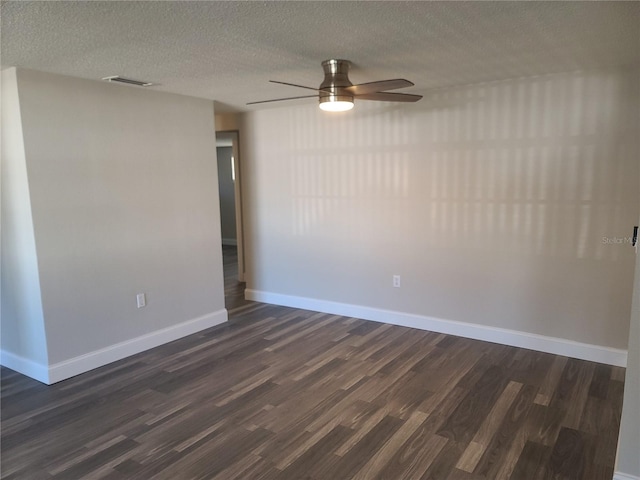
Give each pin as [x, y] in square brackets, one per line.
[234, 136]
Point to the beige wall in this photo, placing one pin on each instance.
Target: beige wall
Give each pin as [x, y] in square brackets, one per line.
[123, 188]
[498, 204]
[226, 122]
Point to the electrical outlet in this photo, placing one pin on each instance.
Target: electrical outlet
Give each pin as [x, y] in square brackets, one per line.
[141, 299]
[396, 281]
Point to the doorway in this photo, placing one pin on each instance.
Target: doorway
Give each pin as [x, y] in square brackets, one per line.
[230, 192]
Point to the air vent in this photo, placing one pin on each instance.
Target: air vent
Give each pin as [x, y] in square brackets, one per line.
[118, 78]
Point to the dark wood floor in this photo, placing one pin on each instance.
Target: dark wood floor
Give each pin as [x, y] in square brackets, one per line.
[279, 393]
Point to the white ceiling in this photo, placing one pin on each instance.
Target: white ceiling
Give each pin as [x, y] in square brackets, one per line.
[227, 51]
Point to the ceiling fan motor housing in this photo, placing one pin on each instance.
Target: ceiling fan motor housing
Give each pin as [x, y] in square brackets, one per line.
[336, 79]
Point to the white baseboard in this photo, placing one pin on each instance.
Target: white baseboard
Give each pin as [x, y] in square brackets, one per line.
[25, 366]
[98, 358]
[230, 241]
[541, 343]
[624, 476]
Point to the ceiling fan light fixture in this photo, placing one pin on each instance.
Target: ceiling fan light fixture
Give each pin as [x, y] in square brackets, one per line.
[336, 103]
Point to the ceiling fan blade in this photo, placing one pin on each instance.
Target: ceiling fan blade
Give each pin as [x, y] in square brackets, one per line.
[390, 97]
[294, 85]
[281, 99]
[380, 86]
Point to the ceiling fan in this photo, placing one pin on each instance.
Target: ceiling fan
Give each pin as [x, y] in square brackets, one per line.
[336, 92]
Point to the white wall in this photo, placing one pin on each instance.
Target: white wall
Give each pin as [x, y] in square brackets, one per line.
[494, 203]
[124, 200]
[22, 326]
[629, 442]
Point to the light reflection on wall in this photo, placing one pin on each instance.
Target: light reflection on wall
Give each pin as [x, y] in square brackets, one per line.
[540, 166]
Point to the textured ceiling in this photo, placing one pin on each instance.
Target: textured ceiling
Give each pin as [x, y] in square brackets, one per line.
[227, 51]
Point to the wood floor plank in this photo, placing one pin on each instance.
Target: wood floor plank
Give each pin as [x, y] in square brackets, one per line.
[600, 383]
[495, 455]
[441, 391]
[232, 448]
[468, 416]
[414, 457]
[445, 462]
[253, 467]
[311, 441]
[371, 422]
[551, 380]
[605, 449]
[474, 451]
[517, 443]
[378, 461]
[567, 457]
[532, 462]
[347, 465]
[317, 455]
